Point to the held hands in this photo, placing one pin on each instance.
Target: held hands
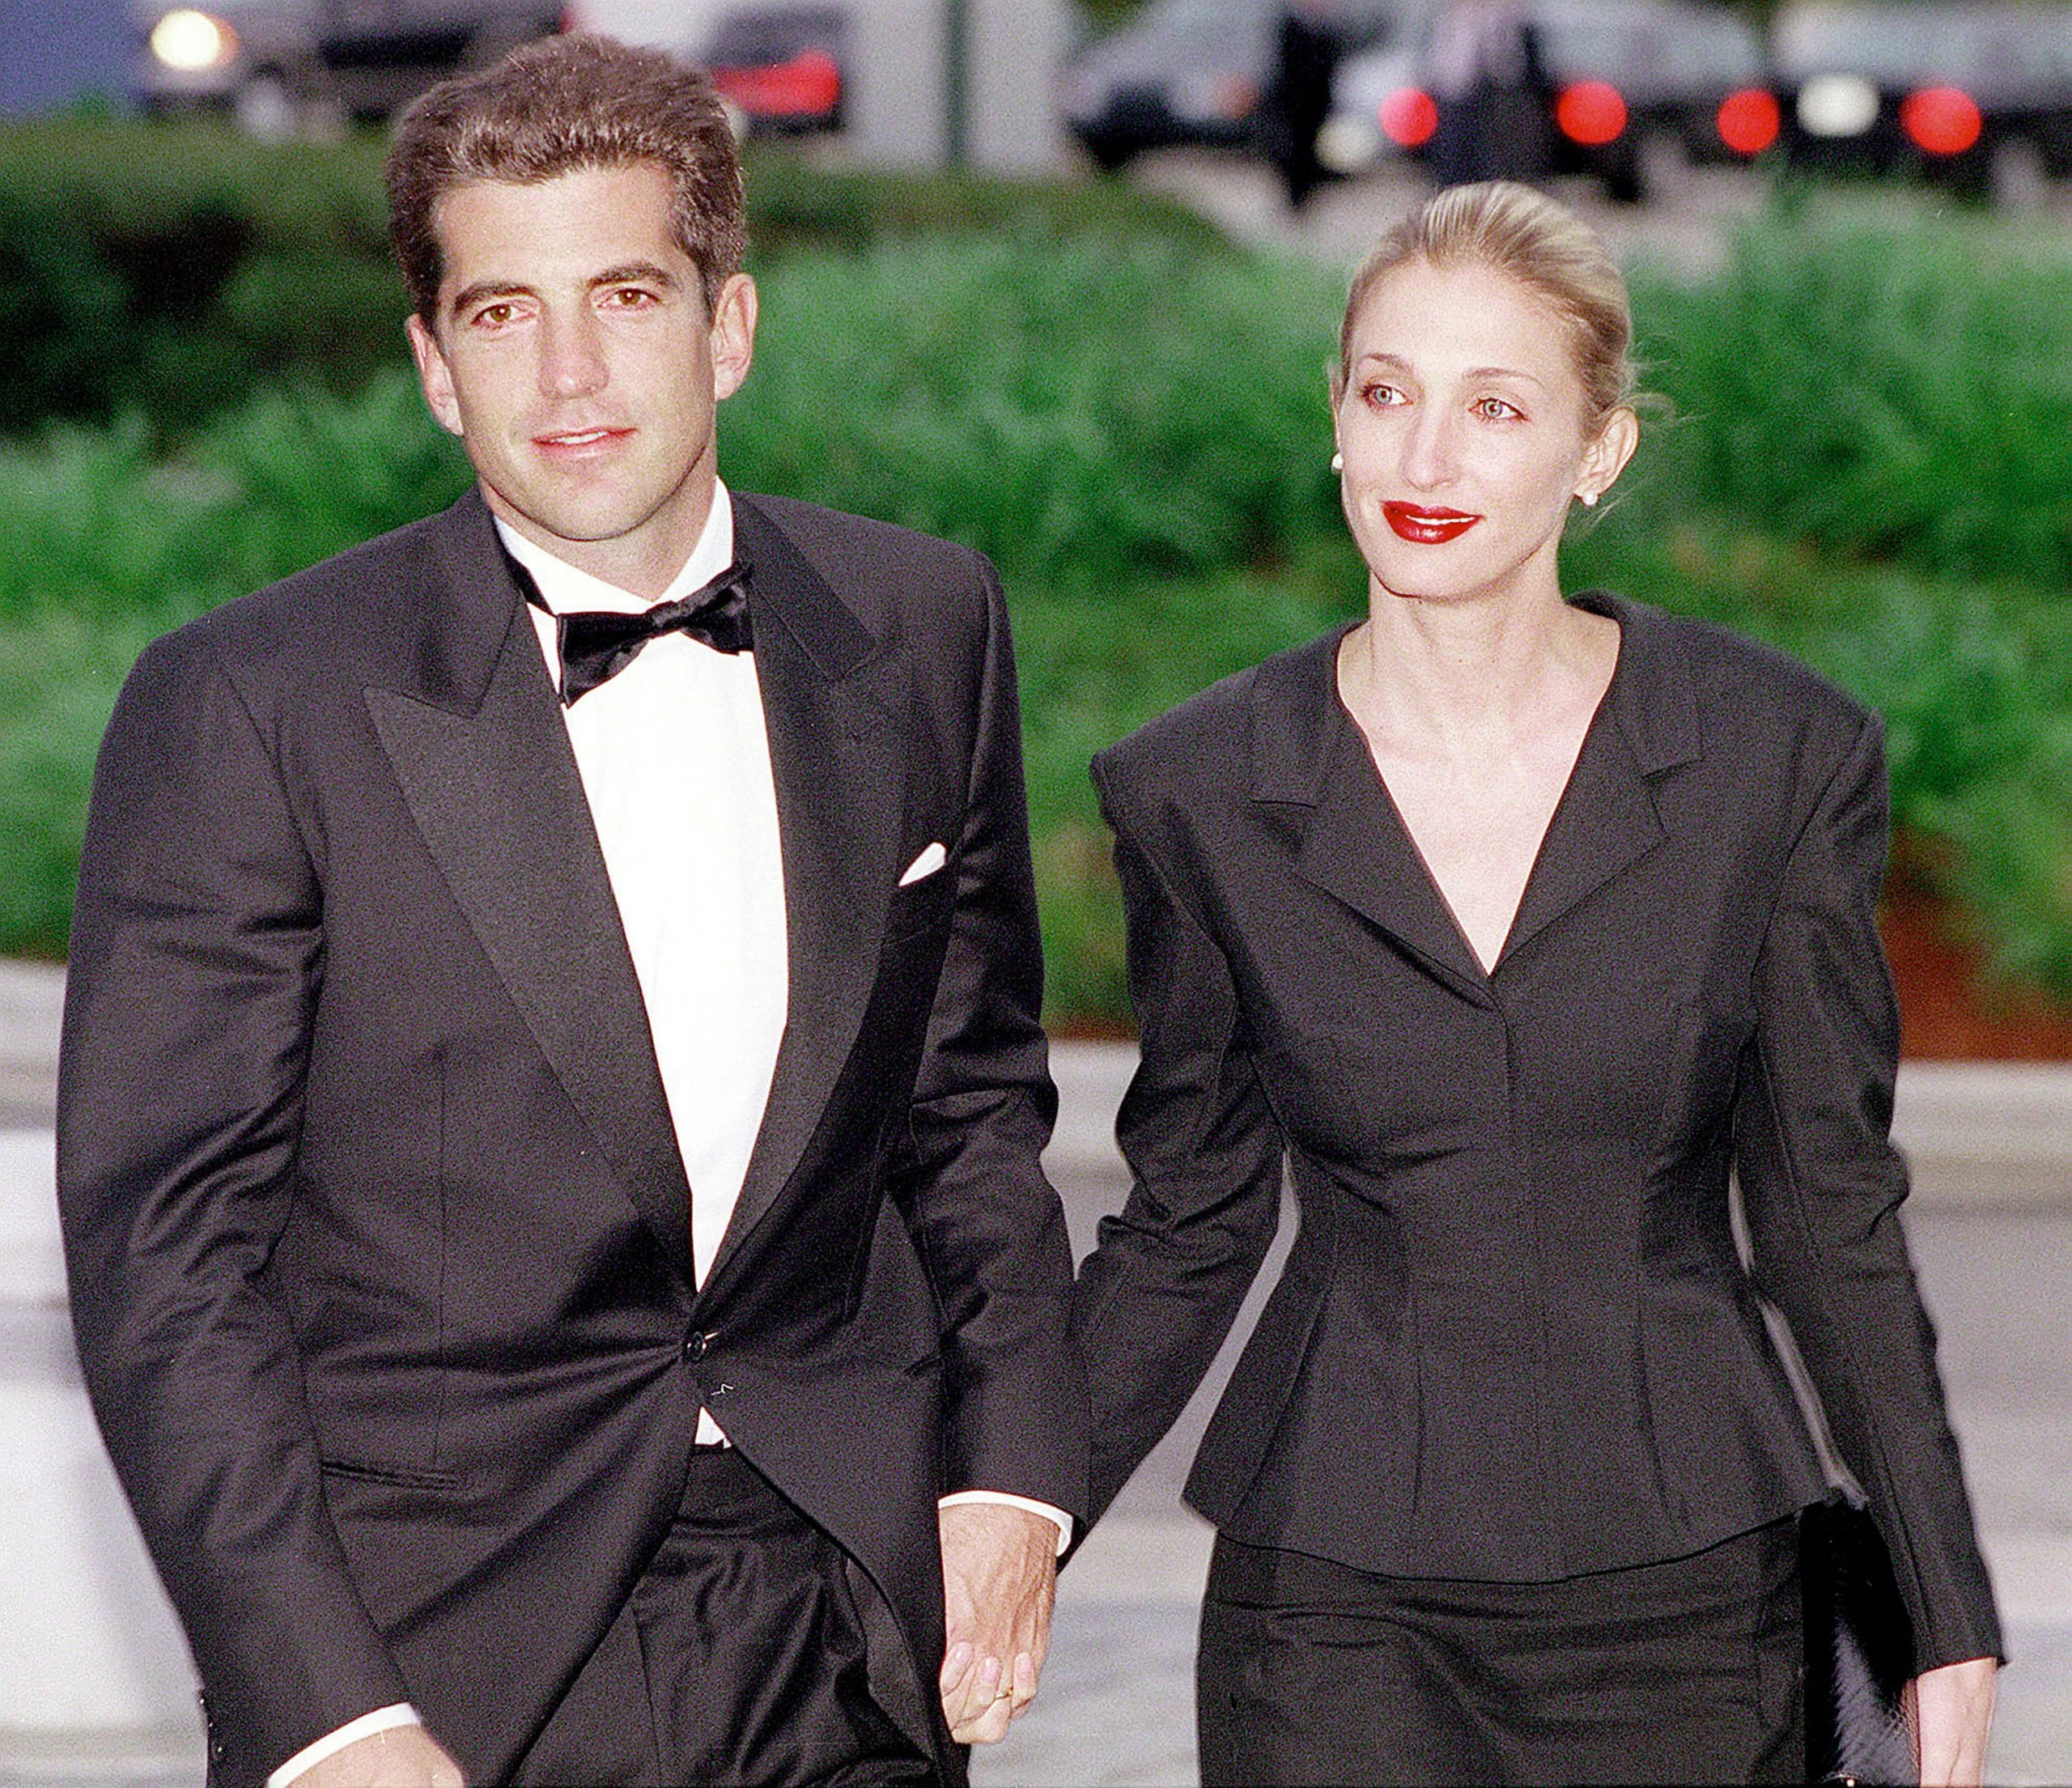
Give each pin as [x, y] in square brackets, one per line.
[1952, 1715]
[404, 1757]
[999, 1570]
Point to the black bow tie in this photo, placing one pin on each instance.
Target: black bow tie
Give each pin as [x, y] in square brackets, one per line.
[596, 646]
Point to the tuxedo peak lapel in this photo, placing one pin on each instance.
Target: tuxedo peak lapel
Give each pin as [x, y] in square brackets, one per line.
[834, 758]
[495, 792]
[1307, 751]
[471, 610]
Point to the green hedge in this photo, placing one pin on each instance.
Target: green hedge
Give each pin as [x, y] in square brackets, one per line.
[165, 269]
[1137, 433]
[1881, 388]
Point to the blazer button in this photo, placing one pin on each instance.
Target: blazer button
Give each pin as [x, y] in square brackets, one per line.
[697, 1345]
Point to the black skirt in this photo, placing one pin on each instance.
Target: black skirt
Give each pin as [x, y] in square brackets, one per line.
[1685, 1671]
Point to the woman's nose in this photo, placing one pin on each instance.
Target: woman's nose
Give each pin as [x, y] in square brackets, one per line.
[1431, 449]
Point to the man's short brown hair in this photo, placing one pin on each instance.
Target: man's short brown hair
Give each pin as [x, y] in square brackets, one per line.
[561, 106]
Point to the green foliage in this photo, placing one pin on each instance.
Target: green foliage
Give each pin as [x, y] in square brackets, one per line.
[162, 269]
[1089, 413]
[1134, 426]
[1886, 389]
[165, 269]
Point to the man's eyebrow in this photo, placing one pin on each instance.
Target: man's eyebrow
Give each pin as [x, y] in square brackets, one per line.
[627, 273]
[483, 290]
[635, 272]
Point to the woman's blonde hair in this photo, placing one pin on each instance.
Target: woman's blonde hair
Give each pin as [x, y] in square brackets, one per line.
[1511, 229]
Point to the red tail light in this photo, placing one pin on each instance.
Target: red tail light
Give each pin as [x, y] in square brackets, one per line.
[1749, 120]
[1409, 117]
[809, 86]
[1941, 120]
[1591, 112]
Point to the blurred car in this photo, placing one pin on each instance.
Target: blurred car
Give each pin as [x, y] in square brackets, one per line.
[1631, 85]
[1975, 97]
[1192, 72]
[781, 67]
[277, 66]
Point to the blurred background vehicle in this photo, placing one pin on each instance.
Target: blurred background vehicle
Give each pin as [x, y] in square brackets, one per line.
[279, 65]
[1630, 90]
[1975, 97]
[783, 67]
[1192, 72]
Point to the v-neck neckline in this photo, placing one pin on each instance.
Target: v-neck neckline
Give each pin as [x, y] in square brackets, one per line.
[1356, 740]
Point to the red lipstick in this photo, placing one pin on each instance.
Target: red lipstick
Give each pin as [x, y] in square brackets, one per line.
[1428, 527]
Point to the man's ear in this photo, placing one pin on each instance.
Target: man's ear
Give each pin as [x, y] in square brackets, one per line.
[733, 334]
[434, 375]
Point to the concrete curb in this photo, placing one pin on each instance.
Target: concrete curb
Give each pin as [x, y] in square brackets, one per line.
[1981, 1134]
[31, 1004]
[1978, 1133]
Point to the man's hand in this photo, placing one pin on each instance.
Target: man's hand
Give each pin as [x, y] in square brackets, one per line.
[1953, 1713]
[404, 1757]
[1000, 1573]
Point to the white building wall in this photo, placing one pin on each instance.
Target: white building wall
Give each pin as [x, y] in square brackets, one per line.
[896, 97]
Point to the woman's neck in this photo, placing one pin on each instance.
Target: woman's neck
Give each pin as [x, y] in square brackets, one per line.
[1457, 675]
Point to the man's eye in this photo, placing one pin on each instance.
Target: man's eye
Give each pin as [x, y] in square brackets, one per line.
[496, 315]
[630, 298]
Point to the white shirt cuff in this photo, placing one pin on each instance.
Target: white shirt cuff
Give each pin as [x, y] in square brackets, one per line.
[1027, 1505]
[382, 1719]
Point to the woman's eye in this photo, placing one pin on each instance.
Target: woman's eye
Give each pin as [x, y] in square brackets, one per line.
[1495, 409]
[1382, 396]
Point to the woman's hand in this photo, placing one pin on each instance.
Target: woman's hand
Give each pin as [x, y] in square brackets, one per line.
[1952, 1714]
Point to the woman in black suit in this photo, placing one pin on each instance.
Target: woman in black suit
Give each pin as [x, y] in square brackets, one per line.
[1517, 924]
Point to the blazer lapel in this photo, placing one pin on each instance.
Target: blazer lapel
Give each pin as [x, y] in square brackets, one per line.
[1307, 751]
[834, 758]
[492, 782]
[1607, 820]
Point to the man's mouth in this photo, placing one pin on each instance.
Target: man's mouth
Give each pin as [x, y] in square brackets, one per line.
[574, 440]
[1426, 527]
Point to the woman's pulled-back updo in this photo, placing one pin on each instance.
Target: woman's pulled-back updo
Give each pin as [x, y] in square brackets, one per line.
[1511, 229]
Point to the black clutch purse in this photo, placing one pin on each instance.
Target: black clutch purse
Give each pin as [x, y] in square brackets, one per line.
[1859, 1649]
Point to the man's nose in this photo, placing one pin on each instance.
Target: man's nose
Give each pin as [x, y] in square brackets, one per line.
[571, 355]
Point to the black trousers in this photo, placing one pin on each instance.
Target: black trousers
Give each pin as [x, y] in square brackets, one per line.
[1688, 1671]
[741, 1661]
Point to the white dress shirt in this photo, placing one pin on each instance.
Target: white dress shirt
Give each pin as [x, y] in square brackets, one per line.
[675, 763]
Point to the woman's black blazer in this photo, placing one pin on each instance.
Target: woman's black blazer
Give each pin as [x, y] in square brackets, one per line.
[1515, 1339]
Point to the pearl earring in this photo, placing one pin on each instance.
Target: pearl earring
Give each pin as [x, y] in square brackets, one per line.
[1590, 498]
[1338, 462]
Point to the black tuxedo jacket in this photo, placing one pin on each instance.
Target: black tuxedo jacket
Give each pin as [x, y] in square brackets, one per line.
[378, 1232]
[1515, 1339]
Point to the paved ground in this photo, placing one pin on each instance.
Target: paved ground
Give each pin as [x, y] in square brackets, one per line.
[1992, 1232]
[1686, 228]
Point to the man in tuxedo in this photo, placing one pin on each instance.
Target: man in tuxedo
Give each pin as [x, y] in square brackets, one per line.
[552, 1085]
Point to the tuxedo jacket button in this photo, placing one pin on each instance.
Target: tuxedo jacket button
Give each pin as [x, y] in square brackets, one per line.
[697, 1345]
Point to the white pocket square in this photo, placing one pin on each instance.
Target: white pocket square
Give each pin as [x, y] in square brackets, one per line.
[930, 860]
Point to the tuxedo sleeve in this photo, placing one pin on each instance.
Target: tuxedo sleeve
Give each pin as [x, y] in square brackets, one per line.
[1157, 1298]
[1822, 1186]
[197, 955]
[988, 1225]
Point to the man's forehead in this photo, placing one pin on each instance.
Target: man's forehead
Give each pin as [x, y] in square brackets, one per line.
[602, 216]
[566, 185]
